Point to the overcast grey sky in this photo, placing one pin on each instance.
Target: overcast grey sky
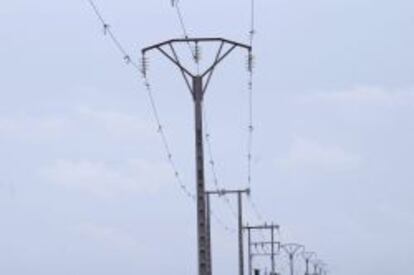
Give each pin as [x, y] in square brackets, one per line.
[85, 187]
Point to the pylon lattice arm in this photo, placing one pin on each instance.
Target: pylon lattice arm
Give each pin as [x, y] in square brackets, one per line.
[196, 40]
[173, 60]
[210, 74]
[292, 248]
[218, 60]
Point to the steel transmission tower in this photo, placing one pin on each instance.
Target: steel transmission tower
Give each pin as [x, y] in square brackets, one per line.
[316, 267]
[197, 84]
[307, 256]
[292, 249]
[321, 268]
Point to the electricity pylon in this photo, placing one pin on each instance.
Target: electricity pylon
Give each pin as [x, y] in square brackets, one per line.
[307, 256]
[292, 249]
[239, 194]
[315, 264]
[197, 83]
[321, 268]
[272, 254]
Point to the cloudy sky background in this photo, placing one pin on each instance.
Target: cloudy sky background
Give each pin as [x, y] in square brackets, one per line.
[85, 187]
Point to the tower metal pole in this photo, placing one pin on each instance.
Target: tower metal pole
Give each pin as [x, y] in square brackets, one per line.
[307, 256]
[292, 265]
[322, 268]
[201, 202]
[208, 223]
[249, 241]
[241, 251]
[291, 249]
[315, 269]
[272, 238]
[307, 267]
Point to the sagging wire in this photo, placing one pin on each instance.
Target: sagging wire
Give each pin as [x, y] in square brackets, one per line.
[196, 54]
[175, 4]
[252, 31]
[143, 70]
[194, 51]
[212, 164]
[107, 31]
[250, 63]
[250, 126]
[222, 224]
[250, 129]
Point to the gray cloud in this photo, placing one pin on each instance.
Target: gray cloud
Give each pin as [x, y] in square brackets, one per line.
[107, 179]
[309, 154]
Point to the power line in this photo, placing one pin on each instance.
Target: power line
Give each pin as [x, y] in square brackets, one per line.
[250, 61]
[108, 31]
[176, 6]
[250, 126]
[154, 108]
[213, 166]
[250, 106]
[220, 222]
[142, 70]
[194, 52]
[252, 31]
[196, 56]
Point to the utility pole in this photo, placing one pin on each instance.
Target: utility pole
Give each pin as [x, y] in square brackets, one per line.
[239, 194]
[319, 267]
[315, 267]
[322, 268]
[197, 83]
[208, 223]
[292, 249]
[319, 270]
[264, 254]
[307, 256]
[272, 254]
